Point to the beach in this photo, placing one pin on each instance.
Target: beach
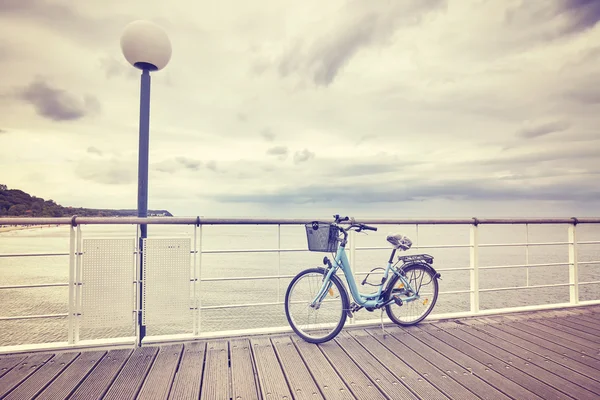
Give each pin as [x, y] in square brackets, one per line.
[10, 228]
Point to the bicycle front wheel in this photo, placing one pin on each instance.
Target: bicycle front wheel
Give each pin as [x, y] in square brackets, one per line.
[322, 321]
[424, 284]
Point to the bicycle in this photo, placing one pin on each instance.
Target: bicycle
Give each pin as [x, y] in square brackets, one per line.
[406, 286]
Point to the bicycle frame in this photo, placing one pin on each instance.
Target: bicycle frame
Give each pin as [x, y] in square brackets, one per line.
[369, 301]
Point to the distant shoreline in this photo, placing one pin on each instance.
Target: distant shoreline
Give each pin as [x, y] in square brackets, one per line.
[10, 228]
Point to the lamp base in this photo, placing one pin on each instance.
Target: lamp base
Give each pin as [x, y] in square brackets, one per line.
[145, 66]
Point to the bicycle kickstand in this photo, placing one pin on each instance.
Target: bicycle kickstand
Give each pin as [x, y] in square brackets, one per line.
[382, 328]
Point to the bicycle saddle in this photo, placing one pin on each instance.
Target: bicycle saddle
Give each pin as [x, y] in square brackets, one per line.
[399, 241]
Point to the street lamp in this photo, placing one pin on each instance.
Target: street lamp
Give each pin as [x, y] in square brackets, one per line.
[146, 46]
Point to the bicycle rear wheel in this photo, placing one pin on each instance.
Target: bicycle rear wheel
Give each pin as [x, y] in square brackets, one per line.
[424, 284]
[325, 320]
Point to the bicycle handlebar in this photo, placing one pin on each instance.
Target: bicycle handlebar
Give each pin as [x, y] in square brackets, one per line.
[353, 224]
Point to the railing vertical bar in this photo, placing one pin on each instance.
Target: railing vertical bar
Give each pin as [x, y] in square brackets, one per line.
[138, 289]
[352, 260]
[527, 253]
[78, 284]
[417, 237]
[573, 267]
[278, 261]
[199, 274]
[195, 304]
[72, 238]
[474, 258]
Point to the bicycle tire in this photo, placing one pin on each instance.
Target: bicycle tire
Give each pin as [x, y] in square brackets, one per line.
[337, 325]
[413, 268]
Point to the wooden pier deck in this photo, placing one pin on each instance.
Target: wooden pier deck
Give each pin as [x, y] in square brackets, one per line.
[534, 355]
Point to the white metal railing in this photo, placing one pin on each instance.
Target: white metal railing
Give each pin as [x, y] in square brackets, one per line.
[474, 291]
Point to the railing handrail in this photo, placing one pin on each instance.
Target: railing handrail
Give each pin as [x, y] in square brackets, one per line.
[75, 220]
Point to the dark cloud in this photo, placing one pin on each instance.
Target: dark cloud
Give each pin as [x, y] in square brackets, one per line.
[366, 138]
[541, 129]
[3, 131]
[268, 134]
[362, 169]
[303, 156]
[280, 151]
[361, 24]
[57, 104]
[94, 150]
[583, 14]
[478, 190]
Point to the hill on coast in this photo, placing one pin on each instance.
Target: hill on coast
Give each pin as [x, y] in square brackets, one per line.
[17, 203]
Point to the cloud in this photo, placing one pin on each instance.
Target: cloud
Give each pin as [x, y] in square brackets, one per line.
[360, 24]
[94, 150]
[268, 134]
[533, 130]
[280, 151]
[176, 164]
[583, 14]
[303, 156]
[3, 131]
[57, 104]
[212, 165]
[111, 171]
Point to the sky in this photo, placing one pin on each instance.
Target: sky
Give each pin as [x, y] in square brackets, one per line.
[278, 108]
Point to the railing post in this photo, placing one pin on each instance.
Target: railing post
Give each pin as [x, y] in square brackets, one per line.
[474, 257]
[72, 308]
[573, 270]
[279, 262]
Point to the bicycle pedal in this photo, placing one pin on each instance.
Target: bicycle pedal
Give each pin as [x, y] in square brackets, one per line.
[398, 300]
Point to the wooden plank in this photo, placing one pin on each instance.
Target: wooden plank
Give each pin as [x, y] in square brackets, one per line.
[273, 384]
[573, 323]
[562, 355]
[300, 380]
[424, 368]
[592, 339]
[130, 379]
[22, 371]
[9, 362]
[215, 385]
[327, 379]
[450, 367]
[160, 378]
[243, 375]
[385, 381]
[516, 370]
[473, 365]
[37, 381]
[98, 381]
[62, 387]
[358, 382]
[556, 338]
[588, 320]
[403, 371]
[544, 369]
[564, 336]
[186, 385]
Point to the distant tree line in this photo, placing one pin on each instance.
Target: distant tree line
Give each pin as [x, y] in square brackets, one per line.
[17, 203]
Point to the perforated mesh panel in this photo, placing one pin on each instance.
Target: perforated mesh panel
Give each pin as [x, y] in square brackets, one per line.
[167, 272]
[107, 294]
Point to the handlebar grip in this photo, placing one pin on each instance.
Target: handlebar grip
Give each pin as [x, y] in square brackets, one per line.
[369, 228]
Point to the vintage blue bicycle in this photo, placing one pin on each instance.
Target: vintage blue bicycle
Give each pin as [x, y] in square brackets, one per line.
[317, 303]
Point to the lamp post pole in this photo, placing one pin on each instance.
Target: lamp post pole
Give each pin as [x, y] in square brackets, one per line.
[147, 47]
[142, 207]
